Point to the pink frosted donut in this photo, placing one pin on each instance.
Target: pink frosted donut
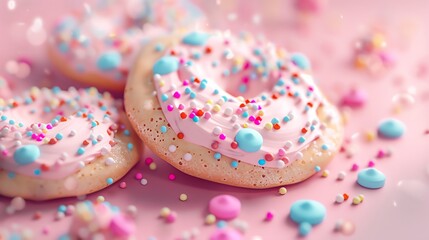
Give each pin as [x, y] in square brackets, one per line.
[56, 143]
[96, 220]
[98, 46]
[234, 110]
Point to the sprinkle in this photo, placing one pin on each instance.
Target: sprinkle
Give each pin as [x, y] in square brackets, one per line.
[187, 157]
[355, 167]
[138, 176]
[123, 185]
[164, 212]
[282, 191]
[356, 200]
[325, 173]
[109, 161]
[217, 156]
[341, 175]
[152, 166]
[171, 177]
[325, 147]
[109, 61]
[100, 199]
[261, 162]
[171, 217]
[269, 216]
[339, 198]
[109, 181]
[163, 129]
[234, 164]
[172, 148]
[80, 151]
[143, 181]
[317, 168]
[210, 219]
[183, 197]
[371, 164]
[130, 146]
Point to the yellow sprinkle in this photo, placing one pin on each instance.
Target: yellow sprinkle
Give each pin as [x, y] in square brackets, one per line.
[165, 211]
[261, 113]
[325, 173]
[210, 219]
[268, 126]
[216, 108]
[282, 191]
[370, 136]
[100, 199]
[183, 197]
[93, 91]
[244, 125]
[152, 166]
[240, 98]
[378, 41]
[209, 101]
[356, 200]
[162, 83]
[361, 197]
[45, 140]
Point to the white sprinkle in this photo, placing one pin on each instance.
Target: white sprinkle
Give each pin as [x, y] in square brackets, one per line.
[217, 130]
[72, 133]
[338, 225]
[299, 155]
[132, 210]
[17, 203]
[236, 126]
[157, 77]
[207, 107]
[59, 216]
[187, 156]
[104, 151]
[339, 198]
[193, 104]
[228, 111]
[280, 164]
[341, 175]
[234, 118]
[172, 148]
[18, 136]
[109, 161]
[288, 145]
[18, 143]
[81, 164]
[143, 181]
[99, 137]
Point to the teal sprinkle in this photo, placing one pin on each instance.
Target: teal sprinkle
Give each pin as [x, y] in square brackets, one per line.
[325, 147]
[159, 47]
[164, 97]
[234, 164]
[221, 224]
[127, 132]
[62, 208]
[286, 119]
[245, 114]
[196, 119]
[94, 141]
[163, 129]
[11, 175]
[59, 136]
[109, 181]
[301, 139]
[80, 151]
[261, 162]
[37, 172]
[187, 90]
[193, 95]
[3, 118]
[216, 91]
[203, 86]
[11, 122]
[317, 168]
[130, 146]
[217, 156]
[274, 121]
[93, 124]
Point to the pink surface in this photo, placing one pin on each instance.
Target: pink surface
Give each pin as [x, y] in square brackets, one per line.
[397, 211]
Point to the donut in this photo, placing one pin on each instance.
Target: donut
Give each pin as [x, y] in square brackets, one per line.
[232, 109]
[98, 46]
[101, 220]
[56, 143]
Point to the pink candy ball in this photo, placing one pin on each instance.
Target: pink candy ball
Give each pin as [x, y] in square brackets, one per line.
[225, 207]
[354, 99]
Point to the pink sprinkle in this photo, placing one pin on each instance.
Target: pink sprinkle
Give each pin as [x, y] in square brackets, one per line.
[239, 111]
[139, 176]
[355, 167]
[380, 154]
[170, 107]
[191, 115]
[246, 65]
[257, 122]
[69, 210]
[49, 126]
[171, 218]
[4, 152]
[222, 136]
[182, 61]
[252, 118]
[355, 98]
[245, 79]
[269, 216]
[185, 83]
[45, 230]
[181, 107]
[281, 152]
[148, 160]
[215, 145]
[371, 164]
[207, 115]
[123, 185]
[176, 94]
[171, 177]
[34, 136]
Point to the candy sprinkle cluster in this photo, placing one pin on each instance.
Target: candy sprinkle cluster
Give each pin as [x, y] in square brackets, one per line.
[50, 133]
[274, 116]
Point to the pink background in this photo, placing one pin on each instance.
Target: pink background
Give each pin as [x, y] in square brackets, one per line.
[397, 211]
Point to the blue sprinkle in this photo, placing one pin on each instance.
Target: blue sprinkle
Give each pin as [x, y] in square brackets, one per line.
[127, 132]
[234, 164]
[3, 118]
[94, 141]
[187, 90]
[64, 237]
[301, 61]
[286, 119]
[245, 114]
[280, 82]
[196, 38]
[29, 133]
[56, 90]
[163, 129]
[63, 47]
[166, 65]
[221, 224]
[203, 86]
[90, 116]
[301, 139]
[109, 181]
[93, 124]
[37, 172]
[47, 109]
[59, 136]
[274, 121]
[130, 146]
[216, 91]
[109, 60]
[312, 128]
[159, 47]
[196, 55]
[261, 162]
[193, 95]
[242, 88]
[196, 119]
[391, 128]
[164, 97]
[317, 168]
[80, 151]
[26, 154]
[217, 156]
[11, 175]
[11, 121]
[325, 147]
[215, 64]
[257, 51]
[62, 208]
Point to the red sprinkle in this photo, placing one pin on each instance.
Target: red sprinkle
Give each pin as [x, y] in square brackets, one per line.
[180, 135]
[234, 145]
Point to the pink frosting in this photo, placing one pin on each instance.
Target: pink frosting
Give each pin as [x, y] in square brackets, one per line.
[32, 120]
[121, 27]
[4, 90]
[256, 65]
